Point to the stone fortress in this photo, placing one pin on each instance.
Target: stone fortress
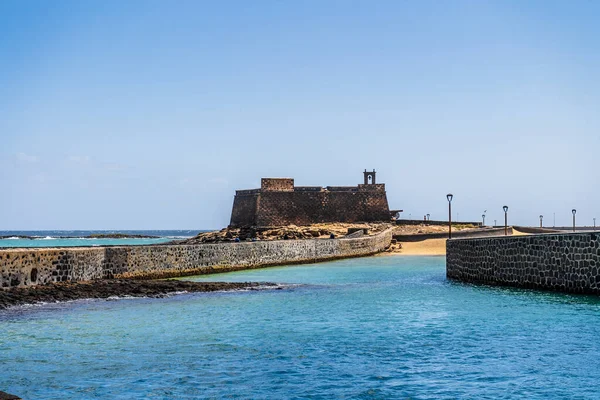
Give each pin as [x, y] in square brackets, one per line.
[278, 203]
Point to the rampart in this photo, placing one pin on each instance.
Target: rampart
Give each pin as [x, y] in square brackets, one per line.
[278, 202]
[561, 262]
[32, 266]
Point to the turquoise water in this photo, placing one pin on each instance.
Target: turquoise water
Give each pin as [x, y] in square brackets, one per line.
[79, 242]
[77, 239]
[369, 328]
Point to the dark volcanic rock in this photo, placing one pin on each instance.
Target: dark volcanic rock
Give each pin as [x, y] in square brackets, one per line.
[6, 396]
[102, 289]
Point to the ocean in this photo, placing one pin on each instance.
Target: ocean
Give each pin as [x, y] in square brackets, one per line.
[383, 327]
[78, 238]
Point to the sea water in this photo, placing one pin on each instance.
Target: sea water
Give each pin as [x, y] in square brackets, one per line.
[367, 328]
[78, 238]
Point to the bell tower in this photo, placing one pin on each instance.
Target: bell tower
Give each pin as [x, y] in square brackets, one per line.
[369, 177]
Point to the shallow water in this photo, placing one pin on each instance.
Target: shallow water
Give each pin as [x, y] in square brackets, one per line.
[381, 327]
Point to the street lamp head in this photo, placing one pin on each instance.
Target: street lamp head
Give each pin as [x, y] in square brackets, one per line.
[427, 216]
[573, 211]
[449, 196]
[505, 208]
[541, 216]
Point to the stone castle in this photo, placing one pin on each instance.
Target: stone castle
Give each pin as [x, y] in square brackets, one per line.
[278, 202]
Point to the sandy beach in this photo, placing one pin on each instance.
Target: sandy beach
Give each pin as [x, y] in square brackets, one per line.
[428, 247]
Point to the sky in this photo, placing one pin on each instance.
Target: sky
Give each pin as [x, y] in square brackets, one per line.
[150, 114]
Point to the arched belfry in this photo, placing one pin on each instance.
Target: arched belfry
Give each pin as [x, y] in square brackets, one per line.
[369, 177]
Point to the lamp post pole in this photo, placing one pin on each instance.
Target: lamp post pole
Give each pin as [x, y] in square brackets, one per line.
[574, 211]
[483, 218]
[541, 218]
[427, 217]
[505, 208]
[449, 196]
[594, 223]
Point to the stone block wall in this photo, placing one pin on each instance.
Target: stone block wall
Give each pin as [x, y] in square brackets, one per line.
[278, 203]
[277, 185]
[25, 267]
[244, 209]
[560, 262]
[305, 208]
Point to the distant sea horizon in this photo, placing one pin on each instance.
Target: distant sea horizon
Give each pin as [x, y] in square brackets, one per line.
[71, 238]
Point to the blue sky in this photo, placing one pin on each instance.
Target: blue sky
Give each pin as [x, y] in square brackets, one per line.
[149, 114]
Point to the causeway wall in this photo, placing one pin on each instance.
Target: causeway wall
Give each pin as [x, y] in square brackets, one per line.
[470, 233]
[33, 266]
[432, 222]
[561, 262]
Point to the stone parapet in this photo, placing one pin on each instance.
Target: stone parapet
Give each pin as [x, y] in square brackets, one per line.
[32, 266]
[560, 262]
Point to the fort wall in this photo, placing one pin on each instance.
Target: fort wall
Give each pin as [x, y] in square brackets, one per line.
[278, 202]
[245, 206]
[561, 262]
[304, 208]
[33, 266]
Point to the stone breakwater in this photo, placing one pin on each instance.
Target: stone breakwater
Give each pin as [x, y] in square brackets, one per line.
[560, 262]
[29, 266]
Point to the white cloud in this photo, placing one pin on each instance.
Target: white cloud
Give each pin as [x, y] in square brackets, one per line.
[80, 159]
[26, 158]
[113, 167]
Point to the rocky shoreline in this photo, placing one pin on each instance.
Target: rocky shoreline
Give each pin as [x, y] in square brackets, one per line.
[288, 232]
[102, 289]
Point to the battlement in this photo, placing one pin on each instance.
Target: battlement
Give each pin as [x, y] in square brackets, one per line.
[278, 202]
[342, 188]
[277, 185]
[375, 187]
[247, 192]
[308, 189]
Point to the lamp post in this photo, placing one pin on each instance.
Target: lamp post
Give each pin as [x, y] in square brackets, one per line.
[427, 217]
[574, 211]
[505, 208]
[594, 223]
[541, 218]
[483, 218]
[449, 196]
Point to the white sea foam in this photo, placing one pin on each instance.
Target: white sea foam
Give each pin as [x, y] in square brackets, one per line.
[124, 297]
